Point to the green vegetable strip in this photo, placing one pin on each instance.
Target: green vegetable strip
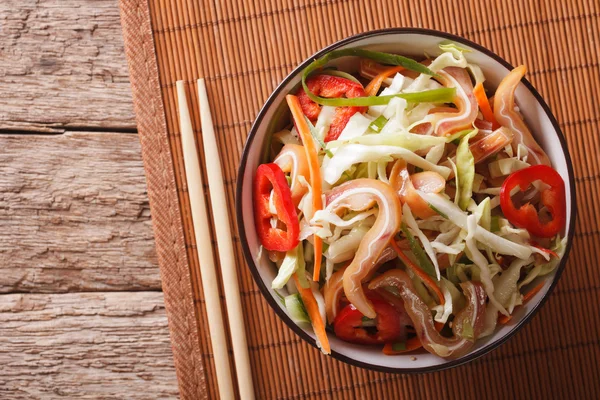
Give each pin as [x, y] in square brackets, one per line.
[419, 253]
[341, 74]
[443, 95]
[434, 208]
[378, 124]
[315, 136]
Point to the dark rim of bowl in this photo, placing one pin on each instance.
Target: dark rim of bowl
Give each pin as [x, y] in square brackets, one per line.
[248, 255]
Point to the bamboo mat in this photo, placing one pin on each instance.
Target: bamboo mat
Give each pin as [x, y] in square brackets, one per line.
[244, 49]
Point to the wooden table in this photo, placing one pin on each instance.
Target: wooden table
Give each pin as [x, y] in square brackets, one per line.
[81, 307]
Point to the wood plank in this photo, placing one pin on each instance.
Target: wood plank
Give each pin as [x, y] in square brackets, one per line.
[62, 63]
[74, 214]
[85, 346]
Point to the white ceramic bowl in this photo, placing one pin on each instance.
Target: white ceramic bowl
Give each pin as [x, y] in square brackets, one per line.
[411, 42]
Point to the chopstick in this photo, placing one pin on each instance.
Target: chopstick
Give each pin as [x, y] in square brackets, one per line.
[225, 246]
[200, 221]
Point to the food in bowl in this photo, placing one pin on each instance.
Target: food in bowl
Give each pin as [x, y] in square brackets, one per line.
[404, 208]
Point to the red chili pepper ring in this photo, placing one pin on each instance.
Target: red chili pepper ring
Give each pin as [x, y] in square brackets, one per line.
[270, 176]
[553, 199]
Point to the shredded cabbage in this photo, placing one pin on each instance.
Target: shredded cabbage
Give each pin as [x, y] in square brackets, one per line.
[446, 59]
[505, 285]
[481, 262]
[357, 125]
[442, 312]
[506, 166]
[434, 155]
[324, 121]
[496, 243]
[453, 48]
[401, 138]
[345, 247]
[408, 217]
[394, 88]
[286, 137]
[350, 154]
[293, 262]
[295, 307]
[465, 171]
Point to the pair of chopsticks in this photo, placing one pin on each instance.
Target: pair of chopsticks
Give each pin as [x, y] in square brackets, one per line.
[201, 224]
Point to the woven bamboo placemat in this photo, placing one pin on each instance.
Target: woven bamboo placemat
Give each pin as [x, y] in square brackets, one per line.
[244, 49]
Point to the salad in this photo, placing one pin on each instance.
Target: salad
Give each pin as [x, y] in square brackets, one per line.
[405, 208]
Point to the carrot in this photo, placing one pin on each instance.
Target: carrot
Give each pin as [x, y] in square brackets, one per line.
[315, 172]
[484, 105]
[503, 319]
[312, 308]
[373, 86]
[419, 272]
[527, 296]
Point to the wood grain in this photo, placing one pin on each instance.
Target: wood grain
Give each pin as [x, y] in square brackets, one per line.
[85, 346]
[62, 64]
[74, 214]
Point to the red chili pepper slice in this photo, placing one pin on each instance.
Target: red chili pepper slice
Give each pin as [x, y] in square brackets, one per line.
[331, 87]
[270, 177]
[553, 199]
[348, 325]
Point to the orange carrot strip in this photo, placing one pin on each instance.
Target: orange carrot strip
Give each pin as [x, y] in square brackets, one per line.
[527, 296]
[312, 308]
[503, 319]
[315, 172]
[419, 272]
[373, 86]
[484, 105]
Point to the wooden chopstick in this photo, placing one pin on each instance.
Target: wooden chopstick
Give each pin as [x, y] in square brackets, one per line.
[200, 221]
[225, 246]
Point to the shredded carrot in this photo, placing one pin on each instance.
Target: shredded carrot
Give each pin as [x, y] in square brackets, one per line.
[419, 272]
[503, 319]
[312, 156]
[312, 308]
[373, 86]
[484, 105]
[527, 296]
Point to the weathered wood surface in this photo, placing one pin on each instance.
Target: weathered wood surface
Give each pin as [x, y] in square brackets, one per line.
[74, 214]
[85, 346]
[62, 64]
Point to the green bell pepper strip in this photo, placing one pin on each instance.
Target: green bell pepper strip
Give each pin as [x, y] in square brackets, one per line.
[418, 251]
[378, 124]
[443, 95]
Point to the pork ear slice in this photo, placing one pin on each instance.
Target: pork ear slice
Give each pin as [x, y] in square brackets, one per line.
[359, 195]
[506, 115]
[467, 324]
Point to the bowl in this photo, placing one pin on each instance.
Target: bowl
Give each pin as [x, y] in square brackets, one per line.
[415, 42]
